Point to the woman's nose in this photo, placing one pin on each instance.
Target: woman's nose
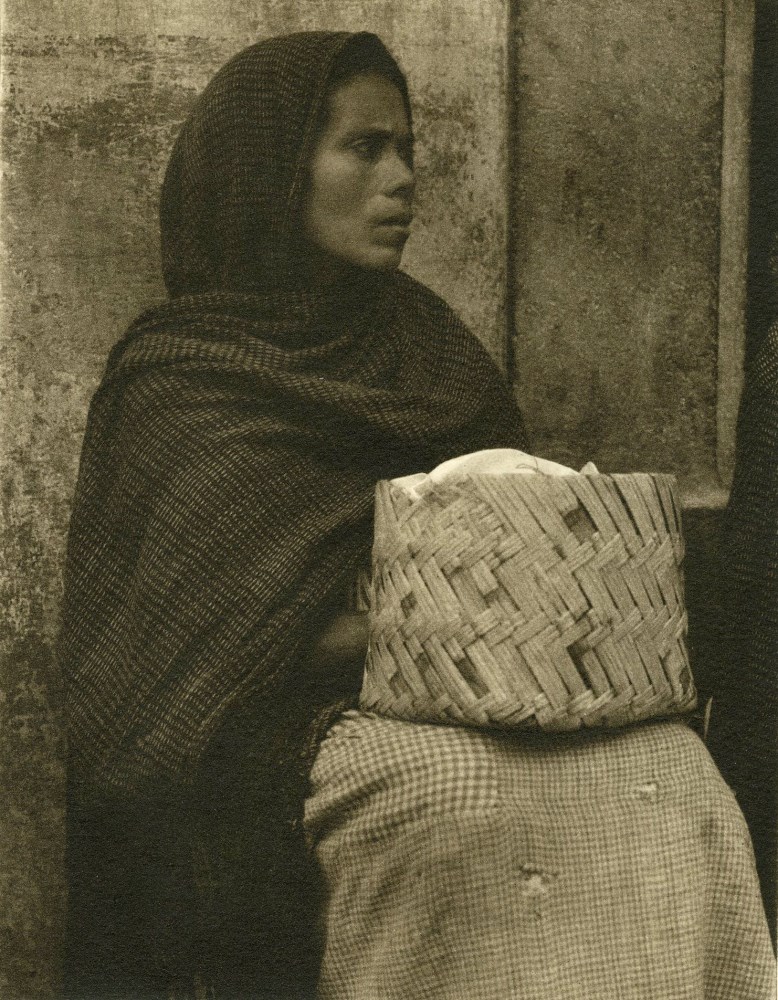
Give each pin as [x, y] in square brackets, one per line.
[400, 178]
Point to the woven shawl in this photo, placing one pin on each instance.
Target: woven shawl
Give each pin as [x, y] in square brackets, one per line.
[232, 449]
[225, 499]
[227, 476]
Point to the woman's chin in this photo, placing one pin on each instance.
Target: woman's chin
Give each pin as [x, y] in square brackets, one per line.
[383, 258]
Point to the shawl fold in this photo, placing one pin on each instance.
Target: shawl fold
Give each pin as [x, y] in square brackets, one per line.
[745, 688]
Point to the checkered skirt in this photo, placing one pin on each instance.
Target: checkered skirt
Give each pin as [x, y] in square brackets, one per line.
[468, 864]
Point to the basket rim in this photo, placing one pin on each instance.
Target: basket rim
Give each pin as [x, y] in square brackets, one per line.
[669, 478]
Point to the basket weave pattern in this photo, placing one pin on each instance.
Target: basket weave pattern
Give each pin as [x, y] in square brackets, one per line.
[528, 600]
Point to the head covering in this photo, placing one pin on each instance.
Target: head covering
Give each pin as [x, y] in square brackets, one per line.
[233, 188]
[225, 494]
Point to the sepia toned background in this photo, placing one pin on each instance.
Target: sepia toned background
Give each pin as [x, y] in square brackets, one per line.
[582, 202]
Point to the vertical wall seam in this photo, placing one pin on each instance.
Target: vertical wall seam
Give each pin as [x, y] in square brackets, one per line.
[733, 234]
[511, 186]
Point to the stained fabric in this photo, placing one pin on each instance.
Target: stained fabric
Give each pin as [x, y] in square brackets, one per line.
[463, 864]
[744, 738]
[224, 500]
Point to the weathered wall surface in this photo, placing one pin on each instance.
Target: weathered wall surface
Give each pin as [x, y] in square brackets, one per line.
[618, 109]
[94, 94]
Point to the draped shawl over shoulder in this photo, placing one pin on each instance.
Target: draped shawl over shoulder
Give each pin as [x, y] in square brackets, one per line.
[225, 498]
[226, 485]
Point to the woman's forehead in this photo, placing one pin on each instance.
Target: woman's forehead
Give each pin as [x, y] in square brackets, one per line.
[369, 102]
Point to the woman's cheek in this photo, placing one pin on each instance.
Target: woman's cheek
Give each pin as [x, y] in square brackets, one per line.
[349, 186]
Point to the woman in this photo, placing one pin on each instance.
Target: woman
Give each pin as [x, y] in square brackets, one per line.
[222, 516]
[224, 506]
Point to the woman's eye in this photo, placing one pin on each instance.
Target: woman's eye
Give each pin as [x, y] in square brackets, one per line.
[367, 149]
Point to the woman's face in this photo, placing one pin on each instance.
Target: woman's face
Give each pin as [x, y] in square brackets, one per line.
[359, 205]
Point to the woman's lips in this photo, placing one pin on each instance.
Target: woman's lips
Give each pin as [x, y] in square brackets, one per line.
[392, 236]
[399, 219]
[394, 229]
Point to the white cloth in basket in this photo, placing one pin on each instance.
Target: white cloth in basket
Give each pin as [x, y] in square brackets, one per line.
[490, 461]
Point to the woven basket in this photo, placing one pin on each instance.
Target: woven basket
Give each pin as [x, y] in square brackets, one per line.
[528, 600]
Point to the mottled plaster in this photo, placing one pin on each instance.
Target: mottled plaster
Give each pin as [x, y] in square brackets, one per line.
[618, 110]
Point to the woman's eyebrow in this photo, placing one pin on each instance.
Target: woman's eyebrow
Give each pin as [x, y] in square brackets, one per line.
[378, 133]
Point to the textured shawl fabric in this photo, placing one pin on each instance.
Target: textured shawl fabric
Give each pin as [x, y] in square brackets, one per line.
[224, 502]
[225, 499]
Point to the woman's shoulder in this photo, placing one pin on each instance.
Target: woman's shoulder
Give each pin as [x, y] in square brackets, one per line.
[442, 335]
[412, 292]
[440, 321]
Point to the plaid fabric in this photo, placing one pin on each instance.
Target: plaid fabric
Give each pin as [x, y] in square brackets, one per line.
[466, 864]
